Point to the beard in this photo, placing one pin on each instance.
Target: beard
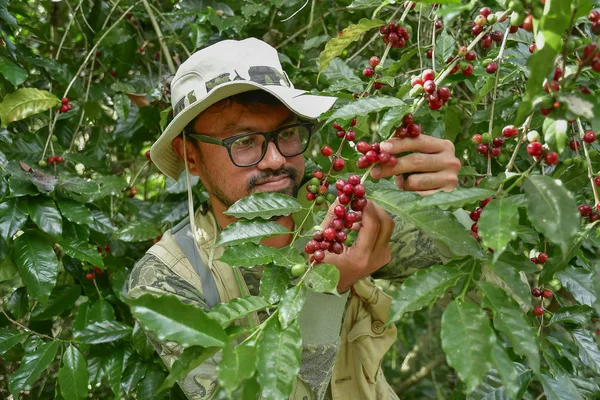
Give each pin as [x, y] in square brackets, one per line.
[291, 190]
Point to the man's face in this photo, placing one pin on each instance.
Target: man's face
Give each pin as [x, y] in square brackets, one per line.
[228, 183]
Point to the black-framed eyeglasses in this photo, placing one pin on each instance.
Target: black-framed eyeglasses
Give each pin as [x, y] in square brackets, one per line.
[249, 149]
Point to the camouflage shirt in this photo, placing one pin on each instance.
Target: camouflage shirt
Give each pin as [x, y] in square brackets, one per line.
[320, 320]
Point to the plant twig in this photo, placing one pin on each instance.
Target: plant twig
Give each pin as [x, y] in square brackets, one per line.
[161, 39]
[420, 374]
[298, 33]
[525, 129]
[590, 168]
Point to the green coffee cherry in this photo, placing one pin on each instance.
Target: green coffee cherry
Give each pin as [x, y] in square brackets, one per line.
[298, 269]
[320, 199]
[492, 19]
[330, 197]
[515, 5]
[42, 164]
[313, 188]
[548, 101]
[54, 138]
[379, 69]
[314, 181]
[568, 161]
[516, 18]
[555, 284]
[486, 137]
[487, 62]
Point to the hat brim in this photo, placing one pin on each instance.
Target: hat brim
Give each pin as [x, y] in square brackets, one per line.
[302, 104]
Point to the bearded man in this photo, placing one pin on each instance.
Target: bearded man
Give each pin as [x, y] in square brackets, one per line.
[241, 127]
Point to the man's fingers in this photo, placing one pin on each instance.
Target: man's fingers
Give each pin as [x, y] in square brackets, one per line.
[430, 181]
[385, 230]
[415, 162]
[370, 225]
[330, 215]
[421, 144]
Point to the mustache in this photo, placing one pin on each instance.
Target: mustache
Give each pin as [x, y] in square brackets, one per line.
[292, 173]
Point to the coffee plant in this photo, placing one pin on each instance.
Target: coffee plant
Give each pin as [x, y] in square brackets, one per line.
[514, 85]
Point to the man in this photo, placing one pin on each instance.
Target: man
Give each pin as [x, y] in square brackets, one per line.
[222, 95]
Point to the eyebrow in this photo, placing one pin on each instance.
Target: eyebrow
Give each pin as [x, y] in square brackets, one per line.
[232, 127]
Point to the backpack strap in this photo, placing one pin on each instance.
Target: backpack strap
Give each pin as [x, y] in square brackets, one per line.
[182, 234]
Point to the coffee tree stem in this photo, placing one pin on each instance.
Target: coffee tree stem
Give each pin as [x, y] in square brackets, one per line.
[589, 166]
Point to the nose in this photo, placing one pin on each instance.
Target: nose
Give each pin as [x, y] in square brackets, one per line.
[272, 159]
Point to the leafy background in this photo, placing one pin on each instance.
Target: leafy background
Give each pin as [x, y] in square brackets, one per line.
[464, 327]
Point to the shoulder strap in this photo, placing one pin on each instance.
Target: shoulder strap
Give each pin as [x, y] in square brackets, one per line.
[183, 236]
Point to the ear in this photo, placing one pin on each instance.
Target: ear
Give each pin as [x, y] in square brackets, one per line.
[193, 154]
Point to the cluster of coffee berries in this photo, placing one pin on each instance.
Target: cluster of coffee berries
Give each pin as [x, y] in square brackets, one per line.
[486, 146]
[408, 128]
[65, 105]
[485, 17]
[349, 135]
[586, 211]
[437, 96]
[594, 18]
[371, 153]
[318, 188]
[106, 249]
[55, 160]
[591, 56]
[394, 34]
[541, 258]
[131, 191]
[374, 69]
[91, 275]
[475, 214]
[534, 148]
[351, 196]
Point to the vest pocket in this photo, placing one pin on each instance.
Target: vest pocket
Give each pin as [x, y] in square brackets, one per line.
[371, 341]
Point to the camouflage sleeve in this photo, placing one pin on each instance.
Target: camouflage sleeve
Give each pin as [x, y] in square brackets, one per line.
[150, 275]
[411, 250]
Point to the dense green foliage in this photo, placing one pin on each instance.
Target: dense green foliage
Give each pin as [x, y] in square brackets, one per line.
[72, 227]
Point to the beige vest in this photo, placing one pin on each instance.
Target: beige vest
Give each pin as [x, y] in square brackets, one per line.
[357, 373]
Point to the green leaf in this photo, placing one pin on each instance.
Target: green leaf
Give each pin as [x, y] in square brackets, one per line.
[492, 387]
[12, 72]
[44, 213]
[236, 365]
[365, 106]
[138, 231]
[25, 102]
[278, 359]
[190, 358]
[576, 315]
[423, 287]
[580, 283]
[82, 252]
[37, 265]
[10, 338]
[246, 231]
[323, 278]
[437, 224]
[102, 332]
[264, 205]
[287, 256]
[467, 339]
[555, 133]
[169, 318]
[291, 304]
[577, 104]
[147, 388]
[61, 298]
[226, 313]
[507, 370]
[508, 268]
[444, 45]
[73, 374]
[18, 303]
[75, 211]
[392, 119]
[32, 366]
[140, 342]
[561, 388]
[510, 320]
[588, 349]
[274, 282]
[457, 198]
[559, 263]
[247, 255]
[102, 222]
[336, 46]
[552, 210]
[498, 225]
[13, 215]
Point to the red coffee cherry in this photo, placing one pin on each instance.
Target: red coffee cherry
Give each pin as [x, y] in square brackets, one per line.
[471, 56]
[574, 144]
[327, 151]
[542, 258]
[535, 149]
[538, 311]
[374, 61]
[338, 164]
[536, 292]
[547, 294]
[491, 68]
[89, 276]
[528, 23]
[585, 210]
[428, 75]
[532, 47]
[368, 72]
[429, 86]
[589, 137]
[551, 158]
